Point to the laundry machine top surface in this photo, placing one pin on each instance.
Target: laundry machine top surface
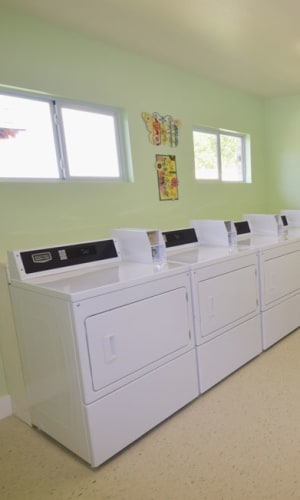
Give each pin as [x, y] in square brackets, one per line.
[260, 242]
[206, 255]
[50, 272]
[78, 285]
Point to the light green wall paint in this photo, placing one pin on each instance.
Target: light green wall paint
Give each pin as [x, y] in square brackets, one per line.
[282, 119]
[3, 387]
[37, 56]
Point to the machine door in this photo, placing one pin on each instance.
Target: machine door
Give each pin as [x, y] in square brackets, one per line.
[280, 276]
[226, 299]
[134, 338]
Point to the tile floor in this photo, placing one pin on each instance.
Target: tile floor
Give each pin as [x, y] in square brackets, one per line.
[239, 441]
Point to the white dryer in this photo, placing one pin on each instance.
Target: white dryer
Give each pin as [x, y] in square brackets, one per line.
[279, 273]
[225, 303]
[107, 346]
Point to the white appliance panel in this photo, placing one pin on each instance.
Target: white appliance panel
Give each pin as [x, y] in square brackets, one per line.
[129, 412]
[124, 340]
[226, 299]
[226, 353]
[281, 276]
[171, 286]
[280, 320]
[50, 370]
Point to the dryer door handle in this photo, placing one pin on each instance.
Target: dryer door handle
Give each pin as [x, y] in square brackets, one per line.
[110, 348]
[211, 306]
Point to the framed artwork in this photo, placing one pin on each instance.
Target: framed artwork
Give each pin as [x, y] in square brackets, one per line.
[167, 177]
[163, 130]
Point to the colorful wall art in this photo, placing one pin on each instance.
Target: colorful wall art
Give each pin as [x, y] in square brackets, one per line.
[6, 133]
[167, 177]
[163, 130]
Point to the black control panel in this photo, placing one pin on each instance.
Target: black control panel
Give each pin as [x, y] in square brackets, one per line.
[242, 227]
[179, 237]
[35, 261]
[284, 220]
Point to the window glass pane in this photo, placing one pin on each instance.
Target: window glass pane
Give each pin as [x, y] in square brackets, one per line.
[231, 157]
[91, 144]
[206, 157]
[27, 147]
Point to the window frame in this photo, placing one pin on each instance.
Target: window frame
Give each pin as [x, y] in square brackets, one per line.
[55, 105]
[245, 156]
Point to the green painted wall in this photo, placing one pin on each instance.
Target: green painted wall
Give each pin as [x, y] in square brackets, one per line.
[3, 387]
[37, 56]
[282, 124]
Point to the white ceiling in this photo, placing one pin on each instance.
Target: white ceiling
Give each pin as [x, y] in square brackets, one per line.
[253, 45]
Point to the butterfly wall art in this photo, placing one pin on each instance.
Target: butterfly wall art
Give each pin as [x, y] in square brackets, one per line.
[163, 130]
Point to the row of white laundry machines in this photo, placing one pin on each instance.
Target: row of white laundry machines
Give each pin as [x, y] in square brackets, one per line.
[116, 335]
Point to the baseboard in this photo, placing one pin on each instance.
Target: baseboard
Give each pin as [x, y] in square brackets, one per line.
[5, 406]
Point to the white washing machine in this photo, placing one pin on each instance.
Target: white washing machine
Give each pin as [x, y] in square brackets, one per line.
[279, 272]
[225, 302]
[107, 346]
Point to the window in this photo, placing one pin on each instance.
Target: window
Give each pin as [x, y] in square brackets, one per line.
[52, 139]
[220, 155]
